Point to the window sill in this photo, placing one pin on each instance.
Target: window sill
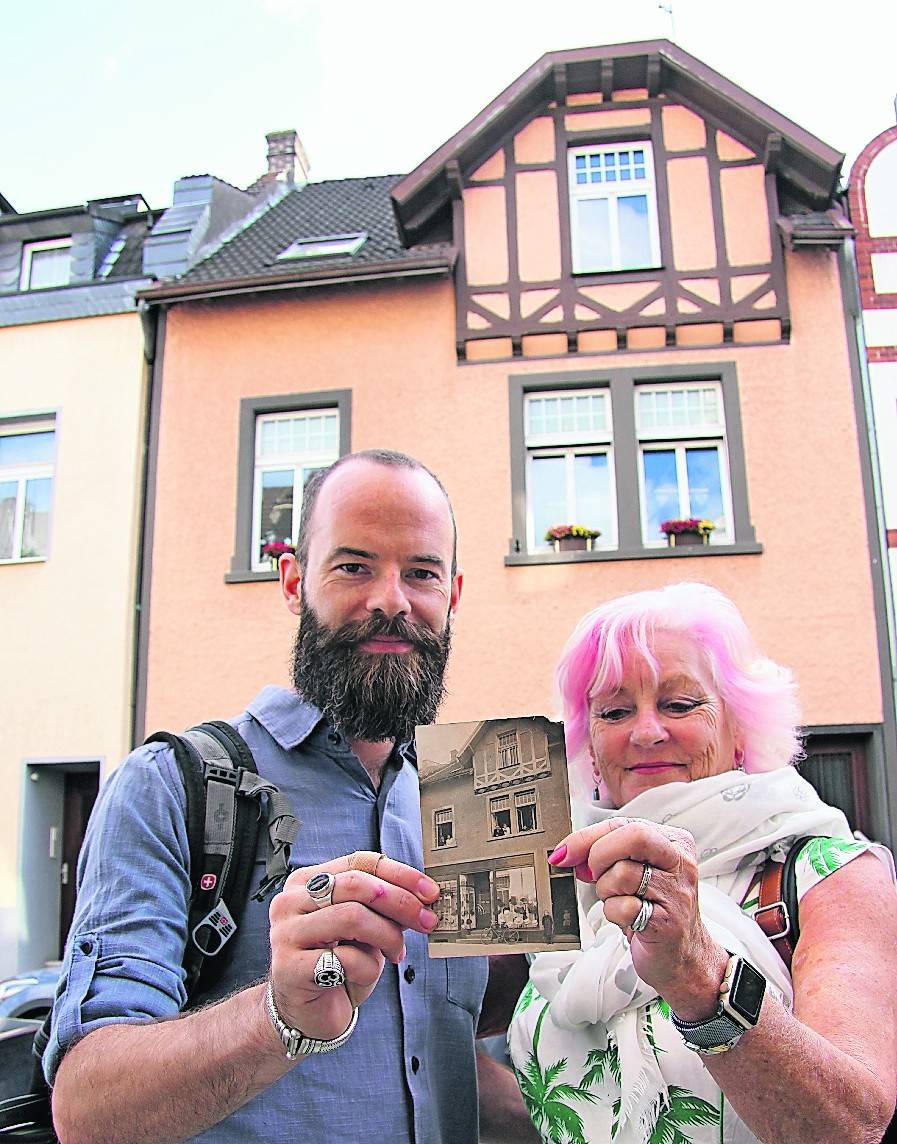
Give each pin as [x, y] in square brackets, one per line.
[447, 846]
[26, 560]
[514, 559]
[246, 576]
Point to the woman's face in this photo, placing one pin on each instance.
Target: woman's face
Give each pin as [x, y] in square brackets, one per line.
[676, 730]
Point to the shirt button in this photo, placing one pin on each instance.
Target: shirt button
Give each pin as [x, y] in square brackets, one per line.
[415, 1064]
[409, 974]
[334, 738]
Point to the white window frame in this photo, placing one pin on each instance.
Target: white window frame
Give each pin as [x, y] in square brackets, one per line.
[325, 246]
[450, 810]
[278, 463]
[570, 444]
[611, 192]
[29, 249]
[22, 474]
[680, 438]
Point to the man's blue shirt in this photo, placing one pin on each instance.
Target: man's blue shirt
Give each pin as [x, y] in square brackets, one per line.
[407, 1073]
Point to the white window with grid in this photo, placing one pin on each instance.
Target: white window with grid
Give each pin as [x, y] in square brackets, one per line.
[45, 264]
[27, 458]
[569, 464]
[444, 827]
[683, 459]
[289, 447]
[613, 207]
[526, 809]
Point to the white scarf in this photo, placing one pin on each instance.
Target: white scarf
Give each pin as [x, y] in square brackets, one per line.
[737, 820]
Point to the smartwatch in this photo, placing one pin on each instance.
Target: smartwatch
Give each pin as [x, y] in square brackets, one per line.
[740, 1001]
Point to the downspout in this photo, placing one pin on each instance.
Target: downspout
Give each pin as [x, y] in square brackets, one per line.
[883, 785]
[152, 319]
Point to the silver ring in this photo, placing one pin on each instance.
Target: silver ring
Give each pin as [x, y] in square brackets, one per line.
[319, 888]
[645, 882]
[643, 917]
[329, 971]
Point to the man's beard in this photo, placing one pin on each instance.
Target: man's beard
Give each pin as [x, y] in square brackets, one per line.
[370, 696]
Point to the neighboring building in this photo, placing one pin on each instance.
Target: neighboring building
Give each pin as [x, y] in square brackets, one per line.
[493, 811]
[616, 296]
[74, 401]
[873, 209]
[72, 405]
[74, 348]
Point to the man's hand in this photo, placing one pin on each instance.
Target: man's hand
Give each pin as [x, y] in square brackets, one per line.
[363, 927]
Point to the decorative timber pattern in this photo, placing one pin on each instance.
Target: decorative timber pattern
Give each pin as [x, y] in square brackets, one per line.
[504, 758]
[721, 274]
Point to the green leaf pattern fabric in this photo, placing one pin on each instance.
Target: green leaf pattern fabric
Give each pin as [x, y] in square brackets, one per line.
[573, 1095]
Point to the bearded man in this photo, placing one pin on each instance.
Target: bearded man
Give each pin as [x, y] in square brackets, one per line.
[376, 584]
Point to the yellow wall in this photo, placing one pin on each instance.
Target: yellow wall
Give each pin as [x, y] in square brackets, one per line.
[67, 622]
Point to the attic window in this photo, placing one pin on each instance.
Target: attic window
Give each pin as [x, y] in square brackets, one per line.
[326, 246]
[46, 264]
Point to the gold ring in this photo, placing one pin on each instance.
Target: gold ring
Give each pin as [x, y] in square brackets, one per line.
[366, 860]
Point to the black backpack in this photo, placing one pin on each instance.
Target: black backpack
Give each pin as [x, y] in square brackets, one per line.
[227, 802]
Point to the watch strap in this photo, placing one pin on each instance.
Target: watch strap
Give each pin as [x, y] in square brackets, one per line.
[297, 1044]
[724, 1028]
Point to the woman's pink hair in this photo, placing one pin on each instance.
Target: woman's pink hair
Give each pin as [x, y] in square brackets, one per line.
[758, 694]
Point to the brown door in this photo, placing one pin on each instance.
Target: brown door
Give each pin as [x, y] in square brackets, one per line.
[79, 795]
[836, 766]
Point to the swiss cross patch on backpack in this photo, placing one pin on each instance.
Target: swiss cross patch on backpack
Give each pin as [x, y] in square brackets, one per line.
[227, 804]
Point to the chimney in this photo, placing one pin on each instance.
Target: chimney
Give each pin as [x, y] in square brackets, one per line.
[287, 161]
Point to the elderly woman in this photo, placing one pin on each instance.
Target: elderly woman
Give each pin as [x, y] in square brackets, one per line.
[679, 1022]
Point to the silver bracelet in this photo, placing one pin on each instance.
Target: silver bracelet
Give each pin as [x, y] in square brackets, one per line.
[295, 1043]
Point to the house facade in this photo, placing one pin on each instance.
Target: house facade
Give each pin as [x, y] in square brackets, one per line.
[614, 299]
[492, 812]
[72, 414]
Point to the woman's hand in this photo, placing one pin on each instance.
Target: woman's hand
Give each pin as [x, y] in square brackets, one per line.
[362, 924]
[673, 953]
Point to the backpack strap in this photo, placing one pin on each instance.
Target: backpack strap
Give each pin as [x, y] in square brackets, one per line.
[777, 913]
[226, 802]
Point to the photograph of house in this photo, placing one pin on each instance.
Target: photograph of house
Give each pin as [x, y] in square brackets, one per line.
[494, 804]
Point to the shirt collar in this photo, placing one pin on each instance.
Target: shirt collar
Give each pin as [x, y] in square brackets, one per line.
[289, 720]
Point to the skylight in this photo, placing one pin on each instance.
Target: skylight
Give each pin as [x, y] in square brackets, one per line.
[324, 246]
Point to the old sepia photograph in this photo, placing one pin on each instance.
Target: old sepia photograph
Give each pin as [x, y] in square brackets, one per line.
[495, 802]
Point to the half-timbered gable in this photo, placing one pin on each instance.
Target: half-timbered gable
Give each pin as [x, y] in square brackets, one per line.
[614, 199]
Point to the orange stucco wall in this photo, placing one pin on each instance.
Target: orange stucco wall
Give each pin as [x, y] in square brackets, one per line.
[808, 596]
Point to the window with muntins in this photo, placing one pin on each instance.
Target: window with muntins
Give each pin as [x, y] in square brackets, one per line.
[613, 207]
[46, 263]
[289, 447]
[507, 749]
[570, 478]
[527, 815]
[27, 456]
[683, 461]
[620, 451]
[444, 824]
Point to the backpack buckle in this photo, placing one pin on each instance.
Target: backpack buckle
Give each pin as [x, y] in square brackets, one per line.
[215, 930]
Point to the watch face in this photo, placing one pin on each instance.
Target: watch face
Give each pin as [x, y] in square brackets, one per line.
[746, 992]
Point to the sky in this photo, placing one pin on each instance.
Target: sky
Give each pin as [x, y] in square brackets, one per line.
[104, 98]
